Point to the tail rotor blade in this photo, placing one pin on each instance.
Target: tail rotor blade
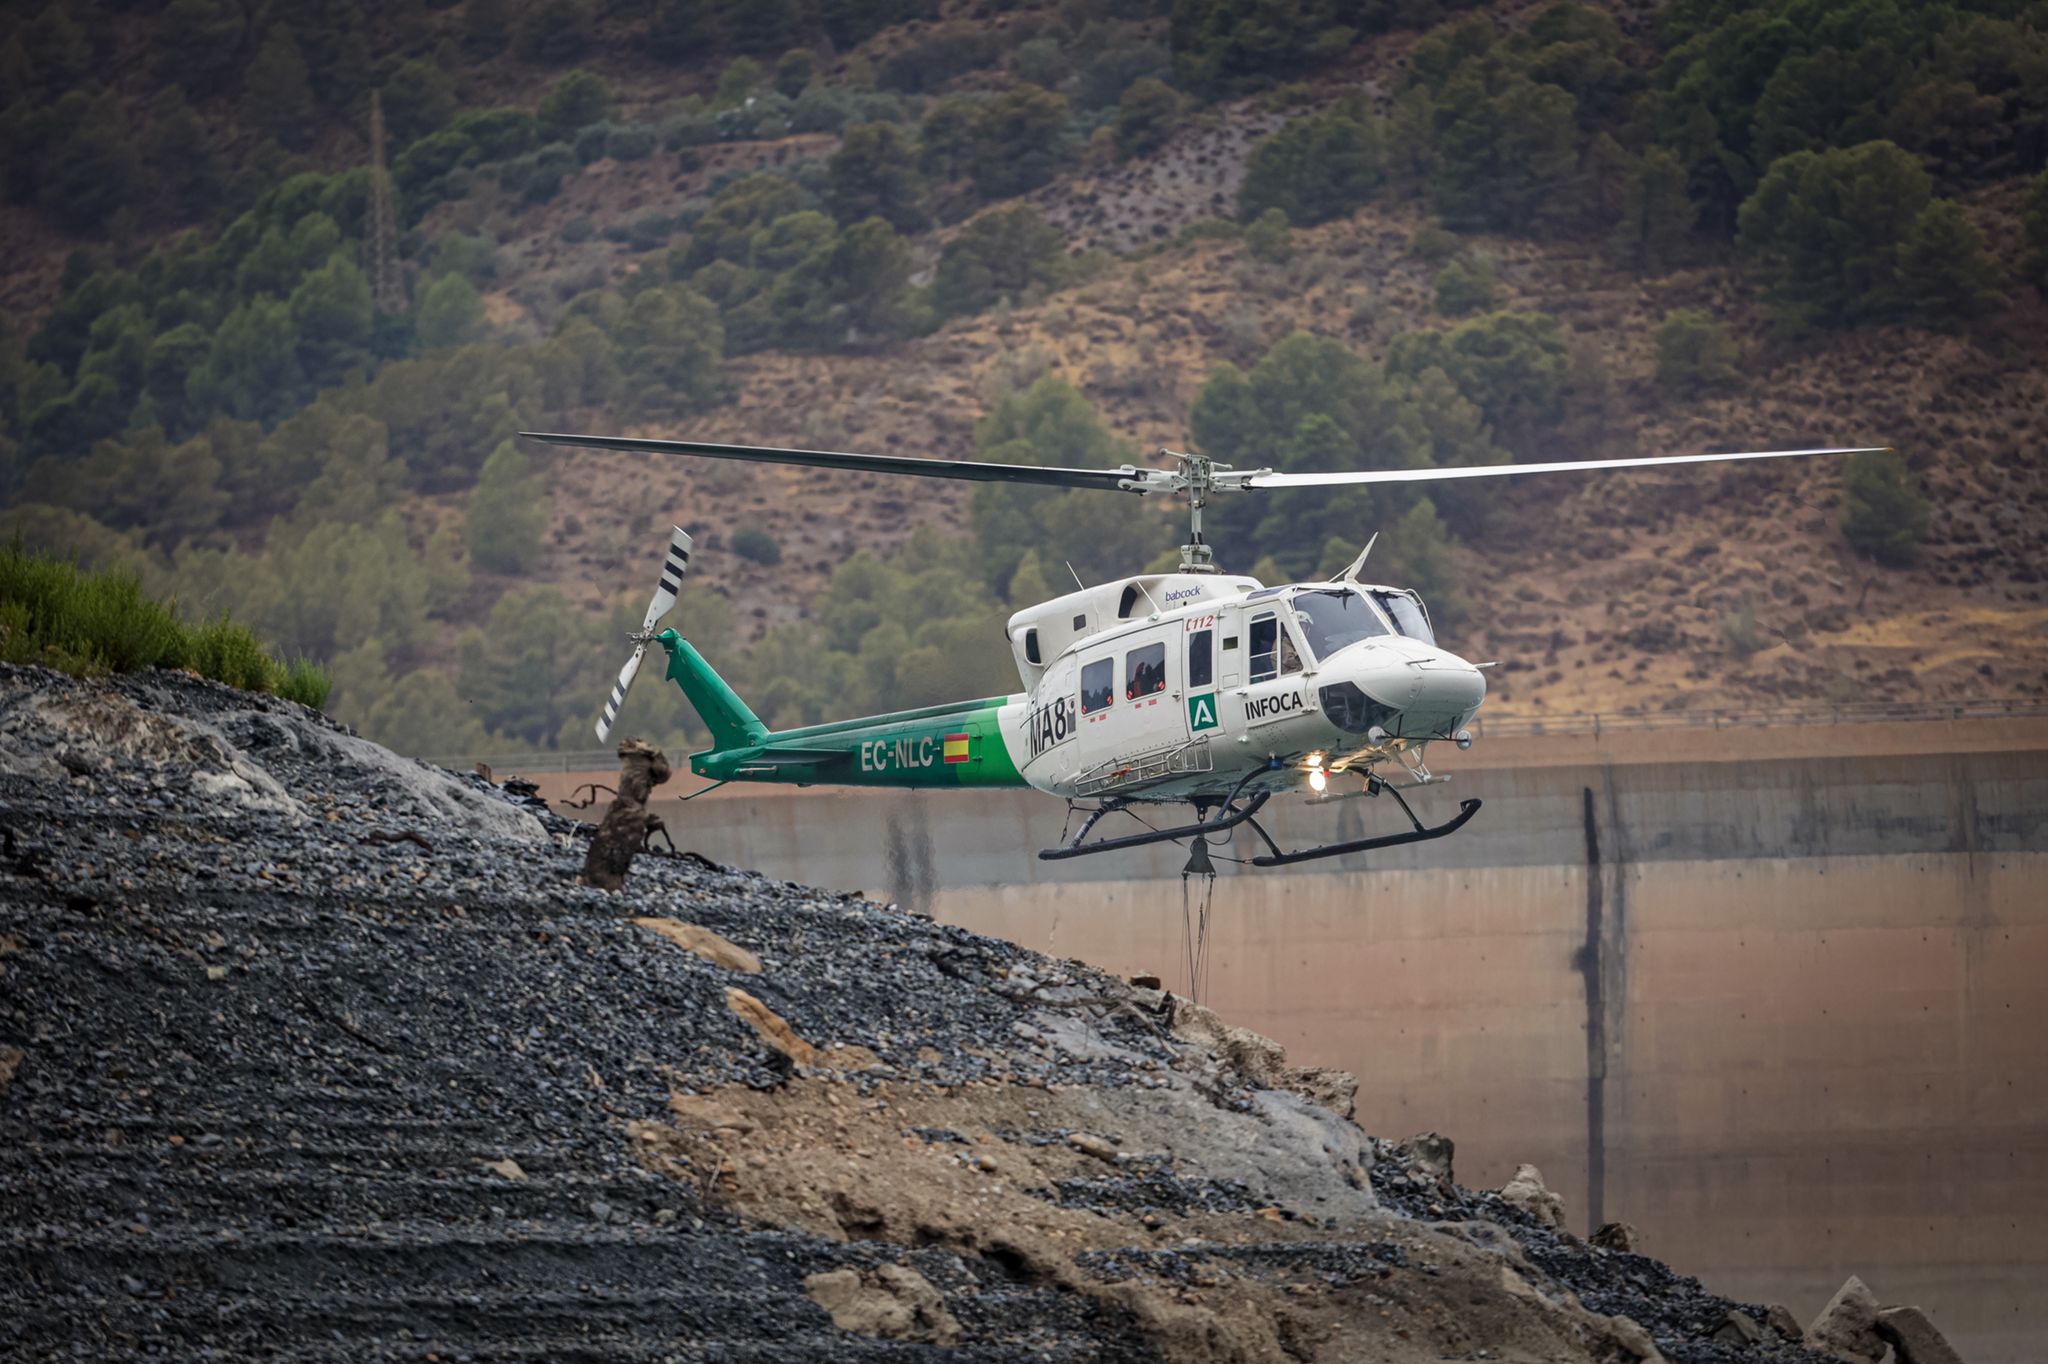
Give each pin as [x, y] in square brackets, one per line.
[672, 570]
[619, 688]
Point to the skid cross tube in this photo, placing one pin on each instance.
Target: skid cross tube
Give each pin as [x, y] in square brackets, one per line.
[1420, 834]
[1228, 819]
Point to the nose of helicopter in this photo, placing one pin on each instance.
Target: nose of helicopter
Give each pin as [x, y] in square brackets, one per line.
[1410, 690]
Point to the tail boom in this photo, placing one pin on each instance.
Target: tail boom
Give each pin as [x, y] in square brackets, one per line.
[958, 744]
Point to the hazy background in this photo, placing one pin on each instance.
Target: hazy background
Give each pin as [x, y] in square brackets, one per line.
[1293, 232]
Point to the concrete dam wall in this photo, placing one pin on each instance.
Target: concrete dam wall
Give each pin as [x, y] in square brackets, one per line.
[1782, 1009]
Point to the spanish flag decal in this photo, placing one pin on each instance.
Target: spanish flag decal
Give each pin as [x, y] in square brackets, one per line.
[956, 748]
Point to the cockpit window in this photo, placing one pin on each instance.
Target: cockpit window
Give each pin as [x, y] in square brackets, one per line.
[1405, 610]
[1334, 617]
[1273, 653]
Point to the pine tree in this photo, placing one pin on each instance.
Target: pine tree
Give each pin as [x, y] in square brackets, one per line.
[1945, 275]
[277, 96]
[1657, 215]
[671, 350]
[507, 513]
[180, 156]
[528, 669]
[553, 32]
[2034, 219]
[1883, 514]
[450, 313]
[197, 41]
[486, 27]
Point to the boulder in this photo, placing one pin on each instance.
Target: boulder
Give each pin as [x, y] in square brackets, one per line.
[1847, 1327]
[1630, 1335]
[1780, 1319]
[1617, 1236]
[892, 1301]
[1914, 1337]
[1738, 1330]
[1088, 1144]
[1429, 1152]
[1528, 1192]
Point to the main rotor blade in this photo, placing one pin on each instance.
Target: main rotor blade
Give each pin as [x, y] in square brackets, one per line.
[1278, 480]
[969, 470]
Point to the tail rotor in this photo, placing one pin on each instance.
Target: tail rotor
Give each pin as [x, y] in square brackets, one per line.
[672, 571]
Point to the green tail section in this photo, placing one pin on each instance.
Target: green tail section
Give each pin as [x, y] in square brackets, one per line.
[957, 744]
[732, 725]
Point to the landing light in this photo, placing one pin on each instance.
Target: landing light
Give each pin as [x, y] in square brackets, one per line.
[1318, 780]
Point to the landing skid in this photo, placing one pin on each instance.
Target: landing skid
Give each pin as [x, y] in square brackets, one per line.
[1229, 816]
[1225, 818]
[1419, 834]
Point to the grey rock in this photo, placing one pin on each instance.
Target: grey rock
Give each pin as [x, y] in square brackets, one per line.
[1616, 1236]
[1528, 1192]
[1847, 1326]
[1738, 1330]
[1914, 1337]
[1429, 1152]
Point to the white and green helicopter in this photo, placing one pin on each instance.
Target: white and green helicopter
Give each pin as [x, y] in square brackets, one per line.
[1192, 687]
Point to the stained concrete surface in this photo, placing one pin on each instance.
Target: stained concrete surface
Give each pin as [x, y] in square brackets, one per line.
[1774, 997]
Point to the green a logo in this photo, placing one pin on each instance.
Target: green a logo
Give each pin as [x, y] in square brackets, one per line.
[1201, 712]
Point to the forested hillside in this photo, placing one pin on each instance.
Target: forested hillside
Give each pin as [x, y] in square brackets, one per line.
[1305, 233]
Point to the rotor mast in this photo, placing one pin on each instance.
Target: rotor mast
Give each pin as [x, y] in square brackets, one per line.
[1197, 477]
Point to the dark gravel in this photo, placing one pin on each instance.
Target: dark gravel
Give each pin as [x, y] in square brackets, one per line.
[266, 1059]
[279, 998]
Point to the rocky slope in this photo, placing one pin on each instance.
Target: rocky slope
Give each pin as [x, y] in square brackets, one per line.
[308, 1051]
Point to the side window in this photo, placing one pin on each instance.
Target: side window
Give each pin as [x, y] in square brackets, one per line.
[1098, 681]
[1201, 665]
[1145, 671]
[1265, 647]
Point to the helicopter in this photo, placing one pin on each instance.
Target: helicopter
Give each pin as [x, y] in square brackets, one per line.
[1192, 687]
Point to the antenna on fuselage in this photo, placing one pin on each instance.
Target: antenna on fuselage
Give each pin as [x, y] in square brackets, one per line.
[1077, 577]
[1350, 575]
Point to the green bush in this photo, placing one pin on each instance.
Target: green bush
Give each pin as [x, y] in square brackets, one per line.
[1433, 243]
[757, 545]
[1462, 288]
[1695, 355]
[1319, 167]
[577, 101]
[1145, 116]
[307, 683]
[229, 653]
[1883, 514]
[999, 255]
[56, 615]
[634, 142]
[2034, 219]
[1270, 237]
